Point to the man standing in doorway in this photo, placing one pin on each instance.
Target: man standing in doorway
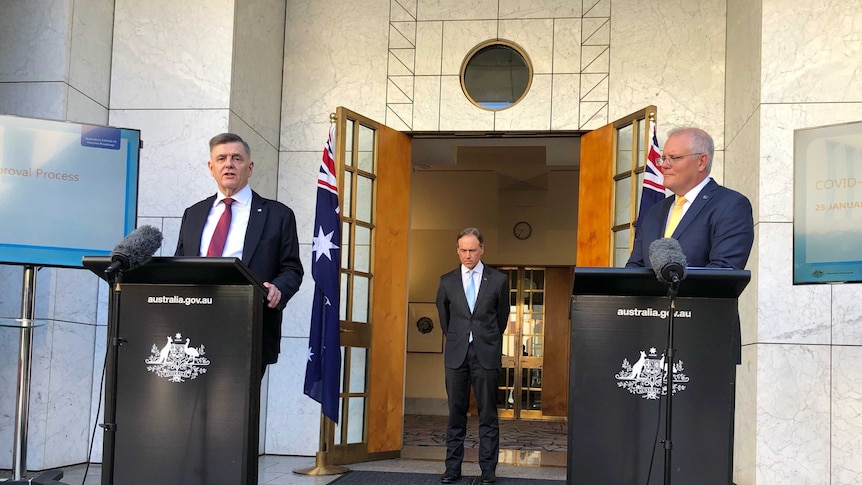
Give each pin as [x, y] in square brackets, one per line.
[473, 304]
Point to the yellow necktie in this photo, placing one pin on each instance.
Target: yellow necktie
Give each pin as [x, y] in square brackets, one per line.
[675, 216]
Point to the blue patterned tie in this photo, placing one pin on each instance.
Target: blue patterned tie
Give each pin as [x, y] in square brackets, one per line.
[471, 291]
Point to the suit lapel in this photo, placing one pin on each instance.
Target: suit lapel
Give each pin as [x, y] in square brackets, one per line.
[256, 221]
[697, 205]
[197, 219]
[483, 286]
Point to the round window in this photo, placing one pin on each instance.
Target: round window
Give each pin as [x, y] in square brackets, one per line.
[496, 75]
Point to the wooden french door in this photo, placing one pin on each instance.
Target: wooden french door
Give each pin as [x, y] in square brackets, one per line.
[374, 190]
[611, 172]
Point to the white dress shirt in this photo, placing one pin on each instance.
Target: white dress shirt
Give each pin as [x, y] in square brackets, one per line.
[239, 211]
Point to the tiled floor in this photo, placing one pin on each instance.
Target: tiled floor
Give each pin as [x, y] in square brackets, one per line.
[535, 435]
[534, 449]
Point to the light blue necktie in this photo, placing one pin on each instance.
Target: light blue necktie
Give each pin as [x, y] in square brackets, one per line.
[471, 291]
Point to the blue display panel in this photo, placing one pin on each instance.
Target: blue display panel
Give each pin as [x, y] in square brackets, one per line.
[827, 193]
[66, 190]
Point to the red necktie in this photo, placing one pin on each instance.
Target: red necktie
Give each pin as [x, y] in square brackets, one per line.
[220, 235]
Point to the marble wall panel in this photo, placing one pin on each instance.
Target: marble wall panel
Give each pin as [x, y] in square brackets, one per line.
[532, 36]
[341, 60]
[297, 313]
[810, 51]
[741, 157]
[793, 400]
[787, 313]
[173, 166]
[846, 426]
[742, 91]
[90, 53]
[426, 103]
[295, 428]
[531, 113]
[34, 99]
[748, 315]
[564, 101]
[460, 37]
[847, 314]
[457, 9]
[297, 182]
[82, 109]
[429, 48]
[745, 419]
[74, 296]
[258, 59]
[67, 427]
[522, 9]
[717, 172]
[34, 40]
[567, 46]
[457, 112]
[671, 55]
[172, 55]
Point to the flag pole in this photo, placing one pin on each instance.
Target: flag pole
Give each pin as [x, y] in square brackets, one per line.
[328, 293]
[323, 461]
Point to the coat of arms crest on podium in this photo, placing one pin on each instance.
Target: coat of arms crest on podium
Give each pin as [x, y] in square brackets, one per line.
[646, 376]
[177, 361]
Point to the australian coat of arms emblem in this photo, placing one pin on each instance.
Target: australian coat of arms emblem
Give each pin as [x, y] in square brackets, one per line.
[646, 377]
[176, 360]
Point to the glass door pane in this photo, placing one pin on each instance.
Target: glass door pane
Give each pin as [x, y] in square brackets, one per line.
[519, 393]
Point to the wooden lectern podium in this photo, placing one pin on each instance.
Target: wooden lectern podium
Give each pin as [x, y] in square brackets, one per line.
[182, 385]
[616, 403]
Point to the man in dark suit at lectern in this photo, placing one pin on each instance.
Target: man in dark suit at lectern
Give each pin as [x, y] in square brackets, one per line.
[713, 224]
[473, 305]
[237, 222]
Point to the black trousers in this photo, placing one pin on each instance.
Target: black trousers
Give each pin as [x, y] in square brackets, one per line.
[484, 383]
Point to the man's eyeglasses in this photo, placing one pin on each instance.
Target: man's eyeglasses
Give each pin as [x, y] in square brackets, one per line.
[671, 159]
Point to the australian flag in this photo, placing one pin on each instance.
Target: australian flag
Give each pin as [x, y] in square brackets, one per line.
[653, 184]
[324, 343]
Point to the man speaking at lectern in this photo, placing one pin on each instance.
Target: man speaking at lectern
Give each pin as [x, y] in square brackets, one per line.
[237, 222]
[713, 224]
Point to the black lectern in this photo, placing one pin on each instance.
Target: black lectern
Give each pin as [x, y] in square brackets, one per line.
[619, 335]
[182, 399]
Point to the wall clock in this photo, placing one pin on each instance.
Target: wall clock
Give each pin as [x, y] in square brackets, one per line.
[522, 230]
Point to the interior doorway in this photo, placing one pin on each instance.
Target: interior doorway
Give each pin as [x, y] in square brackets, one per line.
[519, 392]
[500, 183]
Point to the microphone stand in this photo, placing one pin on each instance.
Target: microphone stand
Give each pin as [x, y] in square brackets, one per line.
[111, 364]
[672, 291]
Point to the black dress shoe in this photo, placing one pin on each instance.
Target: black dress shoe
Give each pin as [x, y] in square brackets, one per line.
[488, 477]
[451, 476]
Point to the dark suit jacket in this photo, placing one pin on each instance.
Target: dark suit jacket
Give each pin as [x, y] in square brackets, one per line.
[488, 321]
[717, 231]
[270, 250]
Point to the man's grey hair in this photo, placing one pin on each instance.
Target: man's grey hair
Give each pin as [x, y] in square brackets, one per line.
[701, 142]
[471, 231]
[223, 138]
